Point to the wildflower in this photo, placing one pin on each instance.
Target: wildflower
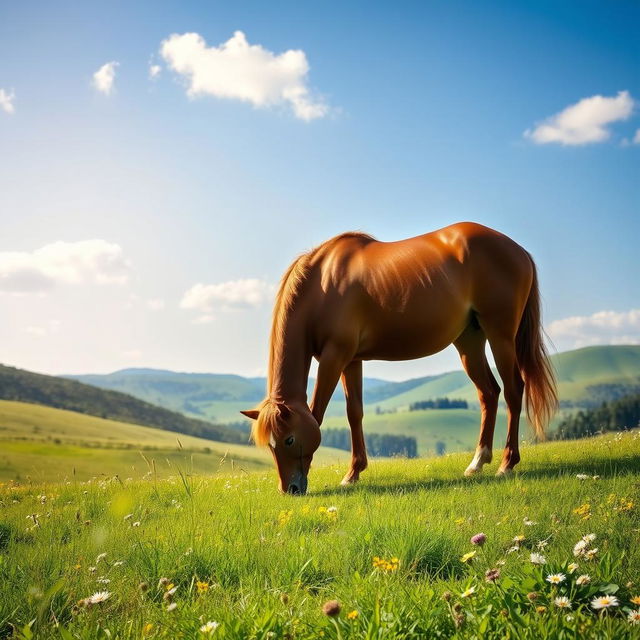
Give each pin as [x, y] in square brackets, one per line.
[491, 575]
[172, 606]
[143, 586]
[136, 524]
[572, 568]
[537, 558]
[479, 539]
[202, 587]
[101, 556]
[446, 596]
[583, 579]
[128, 516]
[556, 578]
[580, 548]
[92, 569]
[634, 617]
[209, 627]
[332, 509]
[591, 553]
[590, 537]
[532, 596]
[468, 556]
[352, 615]
[604, 602]
[563, 602]
[331, 608]
[582, 476]
[519, 539]
[119, 563]
[459, 521]
[103, 580]
[163, 582]
[541, 609]
[529, 523]
[513, 549]
[98, 597]
[584, 511]
[147, 629]
[467, 593]
[635, 600]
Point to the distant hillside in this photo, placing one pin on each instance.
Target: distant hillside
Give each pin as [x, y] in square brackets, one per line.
[587, 377]
[25, 386]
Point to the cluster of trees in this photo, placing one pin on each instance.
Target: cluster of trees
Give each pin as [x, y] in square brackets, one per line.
[378, 444]
[619, 415]
[438, 403]
[60, 393]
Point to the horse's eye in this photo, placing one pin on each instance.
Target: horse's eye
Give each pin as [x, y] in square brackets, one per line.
[289, 441]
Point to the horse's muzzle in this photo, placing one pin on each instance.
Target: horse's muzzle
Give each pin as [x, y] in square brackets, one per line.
[297, 485]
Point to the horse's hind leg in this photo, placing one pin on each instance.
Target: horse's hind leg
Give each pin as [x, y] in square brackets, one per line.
[504, 352]
[352, 384]
[471, 347]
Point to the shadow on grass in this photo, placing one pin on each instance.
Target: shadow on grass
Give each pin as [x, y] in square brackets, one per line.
[600, 467]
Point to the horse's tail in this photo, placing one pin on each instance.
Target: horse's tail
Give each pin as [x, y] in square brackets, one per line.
[541, 396]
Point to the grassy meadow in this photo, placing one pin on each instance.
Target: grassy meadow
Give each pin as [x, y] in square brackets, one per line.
[225, 556]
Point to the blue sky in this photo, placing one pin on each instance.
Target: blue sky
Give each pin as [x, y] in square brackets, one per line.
[420, 113]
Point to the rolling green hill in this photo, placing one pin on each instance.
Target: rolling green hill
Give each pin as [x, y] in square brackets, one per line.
[25, 386]
[53, 444]
[586, 377]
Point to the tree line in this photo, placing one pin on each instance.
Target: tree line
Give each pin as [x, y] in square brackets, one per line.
[439, 403]
[618, 415]
[378, 444]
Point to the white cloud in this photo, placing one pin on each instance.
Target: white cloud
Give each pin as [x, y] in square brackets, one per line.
[154, 70]
[132, 354]
[6, 101]
[636, 137]
[238, 70]
[602, 327]
[86, 261]
[104, 77]
[583, 122]
[226, 296]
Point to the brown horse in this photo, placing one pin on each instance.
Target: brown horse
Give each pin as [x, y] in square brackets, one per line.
[354, 298]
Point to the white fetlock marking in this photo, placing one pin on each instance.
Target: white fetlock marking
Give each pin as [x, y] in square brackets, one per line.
[482, 455]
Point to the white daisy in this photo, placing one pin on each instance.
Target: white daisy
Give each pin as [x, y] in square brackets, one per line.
[98, 597]
[537, 558]
[556, 578]
[583, 579]
[209, 627]
[579, 548]
[590, 537]
[582, 476]
[573, 567]
[634, 616]
[604, 602]
[563, 602]
[468, 592]
[172, 607]
[101, 556]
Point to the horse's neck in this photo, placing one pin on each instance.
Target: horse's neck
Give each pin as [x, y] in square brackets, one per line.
[290, 361]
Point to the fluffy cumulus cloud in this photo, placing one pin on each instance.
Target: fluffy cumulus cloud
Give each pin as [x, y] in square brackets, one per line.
[238, 70]
[226, 296]
[86, 261]
[636, 137]
[584, 122]
[104, 78]
[6, 101]
[602, 327]
[154, 70]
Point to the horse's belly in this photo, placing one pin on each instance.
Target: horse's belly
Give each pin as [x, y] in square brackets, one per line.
[409, 340]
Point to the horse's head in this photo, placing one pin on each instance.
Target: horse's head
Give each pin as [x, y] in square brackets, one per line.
[292, 434]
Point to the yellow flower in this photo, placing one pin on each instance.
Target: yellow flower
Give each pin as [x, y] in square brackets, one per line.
[584, 511]
[202, 587]
[147, 629]
[352, 615]
[635, 599]
[459, 521]
[468, 556]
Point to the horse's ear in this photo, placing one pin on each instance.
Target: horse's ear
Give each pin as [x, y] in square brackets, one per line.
[251, 413]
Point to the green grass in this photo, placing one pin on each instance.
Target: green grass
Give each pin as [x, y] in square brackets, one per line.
[41, 443]
[271, 561]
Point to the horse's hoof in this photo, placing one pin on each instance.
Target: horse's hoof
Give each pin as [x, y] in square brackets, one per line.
[472, 471]
[504, 473]
[348, 480]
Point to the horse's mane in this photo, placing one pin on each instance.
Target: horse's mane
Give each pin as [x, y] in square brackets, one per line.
[288, 291]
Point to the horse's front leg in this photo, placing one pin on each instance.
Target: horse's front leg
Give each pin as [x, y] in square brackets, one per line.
[352, 384]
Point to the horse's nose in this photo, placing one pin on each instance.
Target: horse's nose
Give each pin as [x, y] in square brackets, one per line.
[294, 490]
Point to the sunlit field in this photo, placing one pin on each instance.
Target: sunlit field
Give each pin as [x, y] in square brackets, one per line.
[226, 556]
